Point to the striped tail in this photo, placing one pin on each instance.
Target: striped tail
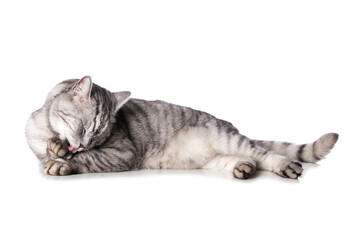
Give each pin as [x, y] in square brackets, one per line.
[311, 152]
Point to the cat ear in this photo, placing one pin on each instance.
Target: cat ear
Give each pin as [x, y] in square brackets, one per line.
[82, 90]
[121, 99]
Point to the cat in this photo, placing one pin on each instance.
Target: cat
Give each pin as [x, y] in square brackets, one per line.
[84, 128]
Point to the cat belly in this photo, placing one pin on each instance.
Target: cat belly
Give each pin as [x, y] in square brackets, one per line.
[190, 148]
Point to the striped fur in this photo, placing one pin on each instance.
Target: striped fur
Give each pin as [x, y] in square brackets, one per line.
[311, 152]
[83, 128]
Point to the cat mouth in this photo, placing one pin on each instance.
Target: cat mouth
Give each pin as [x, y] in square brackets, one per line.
[73, 149]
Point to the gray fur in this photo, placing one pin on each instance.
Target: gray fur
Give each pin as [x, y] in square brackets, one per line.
[84, 128]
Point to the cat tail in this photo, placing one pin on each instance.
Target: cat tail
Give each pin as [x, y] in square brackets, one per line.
[311, 152]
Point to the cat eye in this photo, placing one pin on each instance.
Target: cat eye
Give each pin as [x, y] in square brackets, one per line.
[82, 128]
[80, 131]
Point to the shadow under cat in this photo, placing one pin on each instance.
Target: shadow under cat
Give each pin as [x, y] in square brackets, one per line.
[150, 173]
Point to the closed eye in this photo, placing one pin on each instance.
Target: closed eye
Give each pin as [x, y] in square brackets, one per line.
[82, 129]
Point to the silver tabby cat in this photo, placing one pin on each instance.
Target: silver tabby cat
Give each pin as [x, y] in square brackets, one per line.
[84, 128]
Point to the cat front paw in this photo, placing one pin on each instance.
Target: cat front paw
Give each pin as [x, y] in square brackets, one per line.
[57, 168]
[291, 170]
[58, 149]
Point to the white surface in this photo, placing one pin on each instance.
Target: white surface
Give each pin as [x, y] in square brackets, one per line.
[277, 69]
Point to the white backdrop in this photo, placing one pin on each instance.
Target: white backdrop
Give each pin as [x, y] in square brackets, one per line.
[282, 70]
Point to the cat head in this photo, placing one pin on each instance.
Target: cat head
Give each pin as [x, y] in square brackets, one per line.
[83, 113]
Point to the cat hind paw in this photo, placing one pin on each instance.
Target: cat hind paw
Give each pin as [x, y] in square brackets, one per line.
[244, 170]
[291, 170]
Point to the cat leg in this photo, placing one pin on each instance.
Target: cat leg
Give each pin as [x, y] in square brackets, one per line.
[239, 145]
[265, 159]
[279, 164]
[107, 159]
[241, 167]
[112, 158]
[92, 161]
